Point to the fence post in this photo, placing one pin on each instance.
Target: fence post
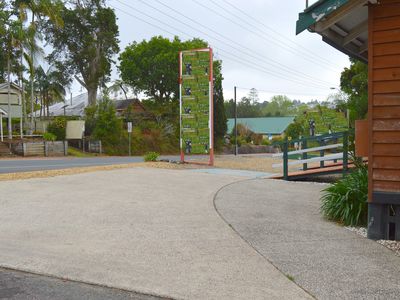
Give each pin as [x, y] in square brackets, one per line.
[304, 146]
[65, 148]
[100, 147]
[285, 159]
[322, 154]
[46, 149]
[345, 152]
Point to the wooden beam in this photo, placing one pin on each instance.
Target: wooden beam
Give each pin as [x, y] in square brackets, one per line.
[338, 15]
[363, 48]
[355, 32]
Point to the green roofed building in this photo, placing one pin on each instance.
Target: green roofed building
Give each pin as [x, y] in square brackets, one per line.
[268, 127]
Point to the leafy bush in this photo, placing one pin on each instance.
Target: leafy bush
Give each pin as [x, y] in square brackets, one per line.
[151, 156]
[266, 142]
[102, 124]
[48, 136]
[346, 200]
[58, 128]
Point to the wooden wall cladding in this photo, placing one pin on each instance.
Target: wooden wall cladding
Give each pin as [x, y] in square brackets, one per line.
[384, 91]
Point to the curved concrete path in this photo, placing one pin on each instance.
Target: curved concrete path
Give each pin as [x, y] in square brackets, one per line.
[282, 221]
[148, 230]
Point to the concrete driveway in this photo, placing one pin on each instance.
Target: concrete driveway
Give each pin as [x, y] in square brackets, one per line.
[148, 230]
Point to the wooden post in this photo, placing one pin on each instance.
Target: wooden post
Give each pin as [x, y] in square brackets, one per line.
[285, 159]
[21, 126]
[46, 149]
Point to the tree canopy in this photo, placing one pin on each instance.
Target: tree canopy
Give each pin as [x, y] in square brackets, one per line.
[86, 43]
[152, 67]
[354, 82]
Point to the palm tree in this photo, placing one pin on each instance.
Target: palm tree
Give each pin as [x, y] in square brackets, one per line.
[39, 10]
[51, 87]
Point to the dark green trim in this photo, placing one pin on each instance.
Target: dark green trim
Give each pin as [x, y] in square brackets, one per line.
[316, 12]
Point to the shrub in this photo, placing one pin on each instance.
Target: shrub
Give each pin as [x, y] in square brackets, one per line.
[346, 200]
[58, 127]
[266, 142]
[48, 136]
[151, 156]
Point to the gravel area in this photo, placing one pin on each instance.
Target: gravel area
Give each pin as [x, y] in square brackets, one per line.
[260, 163]
[78, 170]
[392, 245]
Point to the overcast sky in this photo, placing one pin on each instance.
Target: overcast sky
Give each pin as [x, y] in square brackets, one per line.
[255, 39]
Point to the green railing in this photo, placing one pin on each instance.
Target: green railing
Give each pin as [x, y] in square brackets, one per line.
[306, 148]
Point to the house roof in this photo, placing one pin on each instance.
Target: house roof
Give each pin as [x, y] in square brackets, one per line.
[342, 24]
[270, 125]
[76, 106]
[4, 86]
[123, 104]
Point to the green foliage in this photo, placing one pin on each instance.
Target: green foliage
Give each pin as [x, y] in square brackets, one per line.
[151, 156]
[86, 43]
[152, 67]
[354, 82]
[103, 124]
[295, 130]
[346, 200]
[249, 107]
[50, 137]
[325, 118]
[77, 153]
[58, 128]
[50, 86]
[246, 136]
[220, 120]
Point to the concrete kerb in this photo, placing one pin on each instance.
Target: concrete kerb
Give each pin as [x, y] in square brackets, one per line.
[245, 240]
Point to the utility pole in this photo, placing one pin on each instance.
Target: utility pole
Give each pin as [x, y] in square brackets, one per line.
[236, 143]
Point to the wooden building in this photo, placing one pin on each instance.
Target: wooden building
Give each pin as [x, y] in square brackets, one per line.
[10, 104]
[370, 31]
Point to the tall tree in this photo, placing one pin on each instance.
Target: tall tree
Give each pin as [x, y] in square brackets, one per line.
[220, 121]
[4, 16]
[40, 11]
[86, 43]
[152, 66]
[253, 95]
[51, 86]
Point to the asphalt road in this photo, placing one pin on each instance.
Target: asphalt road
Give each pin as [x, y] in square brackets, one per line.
[18, 285]
[38, 164]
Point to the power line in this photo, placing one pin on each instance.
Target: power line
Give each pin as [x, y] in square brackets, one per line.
[278, 92]
[292, 50]
[283, 76]
[308, 51]
[240, 60]
[268, 61]
[225, 57]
